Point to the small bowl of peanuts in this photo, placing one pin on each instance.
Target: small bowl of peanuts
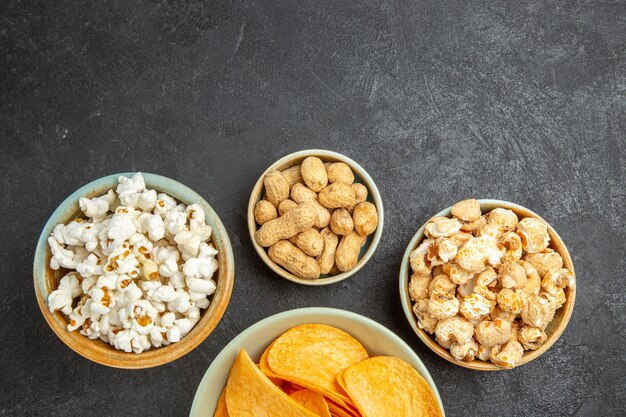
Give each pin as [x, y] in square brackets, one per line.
[487, 284]
[315, 217]
[133, 270]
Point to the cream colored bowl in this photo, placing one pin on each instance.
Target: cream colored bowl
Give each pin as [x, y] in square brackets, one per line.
[377, 339]
[360, 176]
[554, 329]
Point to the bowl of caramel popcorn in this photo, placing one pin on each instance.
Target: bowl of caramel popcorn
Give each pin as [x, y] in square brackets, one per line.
[487, 284]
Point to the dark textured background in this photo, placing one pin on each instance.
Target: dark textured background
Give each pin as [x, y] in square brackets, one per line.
[439, 100]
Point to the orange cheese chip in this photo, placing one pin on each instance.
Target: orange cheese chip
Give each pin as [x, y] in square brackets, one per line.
[221, 410]
[311, 400]
[386, 386]
[250, 394]
[311, 355]
[339, 411]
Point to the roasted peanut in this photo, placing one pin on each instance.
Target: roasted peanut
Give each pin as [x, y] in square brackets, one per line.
[293, 175]
[264, 211]
[348, 251]
[337, 195]
[341, 222]
[286, 205]
[314, 173]
[300, 193]
[365, 218]
[310, 242]
[294, 221]
[360, 192]
[294, 260]
[340, 172]
[326, 259]
[276, 187]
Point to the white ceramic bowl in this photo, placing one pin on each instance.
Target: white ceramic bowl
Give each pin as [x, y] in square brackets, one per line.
[377, 339]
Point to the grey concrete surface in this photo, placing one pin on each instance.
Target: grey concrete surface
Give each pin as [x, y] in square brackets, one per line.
[439, 100]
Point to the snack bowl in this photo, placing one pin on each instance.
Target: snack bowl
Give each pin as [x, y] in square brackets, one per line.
[46, 279]
[377, 339]
[553, 330]
[361, 176]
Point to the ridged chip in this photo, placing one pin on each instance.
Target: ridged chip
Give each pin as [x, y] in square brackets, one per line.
[311, 355]
[312, 400]
[249, 393]
[385, 386]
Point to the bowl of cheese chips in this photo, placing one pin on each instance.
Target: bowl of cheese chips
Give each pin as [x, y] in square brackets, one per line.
[317, 362]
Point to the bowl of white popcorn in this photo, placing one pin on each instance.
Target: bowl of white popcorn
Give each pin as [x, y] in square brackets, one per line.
[487, 284]
[133, 270]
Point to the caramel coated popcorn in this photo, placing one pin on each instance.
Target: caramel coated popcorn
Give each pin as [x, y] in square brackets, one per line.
[487, 285]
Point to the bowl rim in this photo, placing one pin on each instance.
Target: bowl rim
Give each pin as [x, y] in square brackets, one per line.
[233, 346]
[373, 193]
[476, 364]
[156, 356]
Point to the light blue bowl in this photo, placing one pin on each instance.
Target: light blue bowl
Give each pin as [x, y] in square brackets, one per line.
[46, 279]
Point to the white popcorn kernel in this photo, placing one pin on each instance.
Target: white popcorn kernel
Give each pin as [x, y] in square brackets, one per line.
[194, 314]
[173, 334]
[97, 207]
[199, 285]
[122, 282]
[141, 246]
[120, 229]
[168, 268]
[124, 339]
[140, 343]
[90, 236]
[184, 325]
[195, 212]
[153, 225]
[122, 261]
[133, 292]
[175, 222]
[92, 331]
[163, 252]
[79, 315]
[181, 303]
[164, 294]
[61, 257]
[164, 204]
[167, 319]
[147, 200]
[129, 189]
[87, 283]
[201, 229]
[156, 336]
[107, 281]
[188, 242]
[62, 298]
[177, 280]
[203, 303]
[159, 306]
[141, 315]
[71, 233]
[204, 265]
[101, 300]
[92, 266]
